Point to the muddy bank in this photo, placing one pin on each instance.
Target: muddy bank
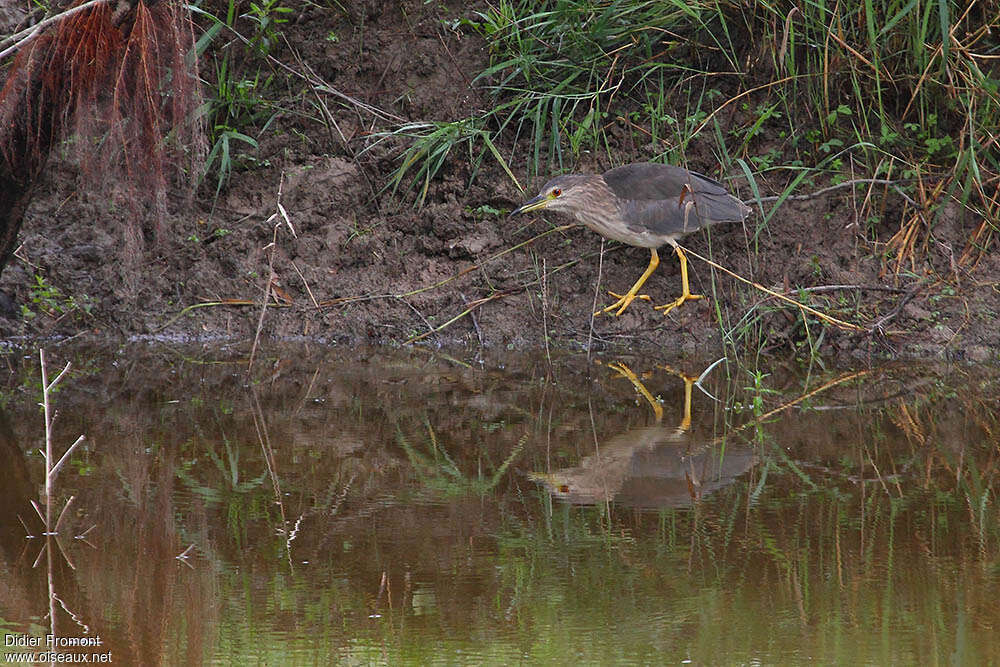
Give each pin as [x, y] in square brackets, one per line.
[354, 263]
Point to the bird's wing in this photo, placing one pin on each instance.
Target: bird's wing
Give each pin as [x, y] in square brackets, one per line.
[660, 217]
[651, 180]
[655, 197]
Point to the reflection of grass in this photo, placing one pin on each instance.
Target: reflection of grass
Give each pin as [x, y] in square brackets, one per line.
[851, 573]
[439, 474]
[587, 584]
[869, 533]
[237, 497]
[886, 553]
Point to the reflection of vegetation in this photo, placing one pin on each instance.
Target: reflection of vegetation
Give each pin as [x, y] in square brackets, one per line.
[868, 533]
[439, 474]
[851, 572]
[237, 497]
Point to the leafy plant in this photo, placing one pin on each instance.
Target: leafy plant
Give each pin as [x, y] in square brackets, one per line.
[48, 299]
[239, 99]
[430, 145]
[220, 158]
[266, 15]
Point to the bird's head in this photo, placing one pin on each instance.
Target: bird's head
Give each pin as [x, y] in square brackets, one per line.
[569, 193]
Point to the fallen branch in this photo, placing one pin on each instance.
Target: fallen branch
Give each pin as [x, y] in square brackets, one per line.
[894, 184]
[801, 306]
[222, 302]
[29, 34]
[278, 217]
[877, 326]
[468, 311]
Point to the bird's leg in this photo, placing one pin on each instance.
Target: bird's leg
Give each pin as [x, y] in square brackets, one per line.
[685, 424]
[685, 287]
[627, 373]
[689, 381]
[625, 299]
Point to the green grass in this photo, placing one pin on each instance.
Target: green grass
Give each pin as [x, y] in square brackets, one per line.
[240, 96]
[908, 77]
[788, 97]
[794, 91]
[430, 144]
[560, 72]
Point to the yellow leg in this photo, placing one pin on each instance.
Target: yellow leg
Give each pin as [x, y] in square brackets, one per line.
[624, 300]
[685, 287]
[627, 373]
[689, 381]
[685, 424]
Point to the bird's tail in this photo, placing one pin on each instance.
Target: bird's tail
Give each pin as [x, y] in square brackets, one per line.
[720, 207]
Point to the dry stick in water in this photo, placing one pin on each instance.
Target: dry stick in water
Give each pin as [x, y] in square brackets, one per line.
[593, 306]
[51, 471]
[260, 424]
[545, 312]
[475, 321]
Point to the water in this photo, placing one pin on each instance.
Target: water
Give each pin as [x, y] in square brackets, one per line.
[418, 508]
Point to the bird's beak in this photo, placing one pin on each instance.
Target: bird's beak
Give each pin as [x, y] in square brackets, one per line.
[541, 201]
[554, 482]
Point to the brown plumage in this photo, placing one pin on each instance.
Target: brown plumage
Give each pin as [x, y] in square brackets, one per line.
[645, 205]
[653, 466]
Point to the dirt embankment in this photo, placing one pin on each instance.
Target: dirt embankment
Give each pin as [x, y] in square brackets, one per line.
[355, 263]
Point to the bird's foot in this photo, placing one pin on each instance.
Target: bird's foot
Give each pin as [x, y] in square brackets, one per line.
[667, 307]
[622, 303]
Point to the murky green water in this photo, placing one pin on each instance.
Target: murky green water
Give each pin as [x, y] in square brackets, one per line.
[409, 507]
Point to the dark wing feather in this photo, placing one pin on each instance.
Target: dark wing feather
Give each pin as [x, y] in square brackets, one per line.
[650, 197]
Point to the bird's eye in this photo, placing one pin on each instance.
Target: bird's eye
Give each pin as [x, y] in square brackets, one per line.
[556, 192]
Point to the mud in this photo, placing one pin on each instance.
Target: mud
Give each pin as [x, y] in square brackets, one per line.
[354, 263]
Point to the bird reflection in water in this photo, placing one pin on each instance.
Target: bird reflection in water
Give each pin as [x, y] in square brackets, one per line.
[651, 467]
